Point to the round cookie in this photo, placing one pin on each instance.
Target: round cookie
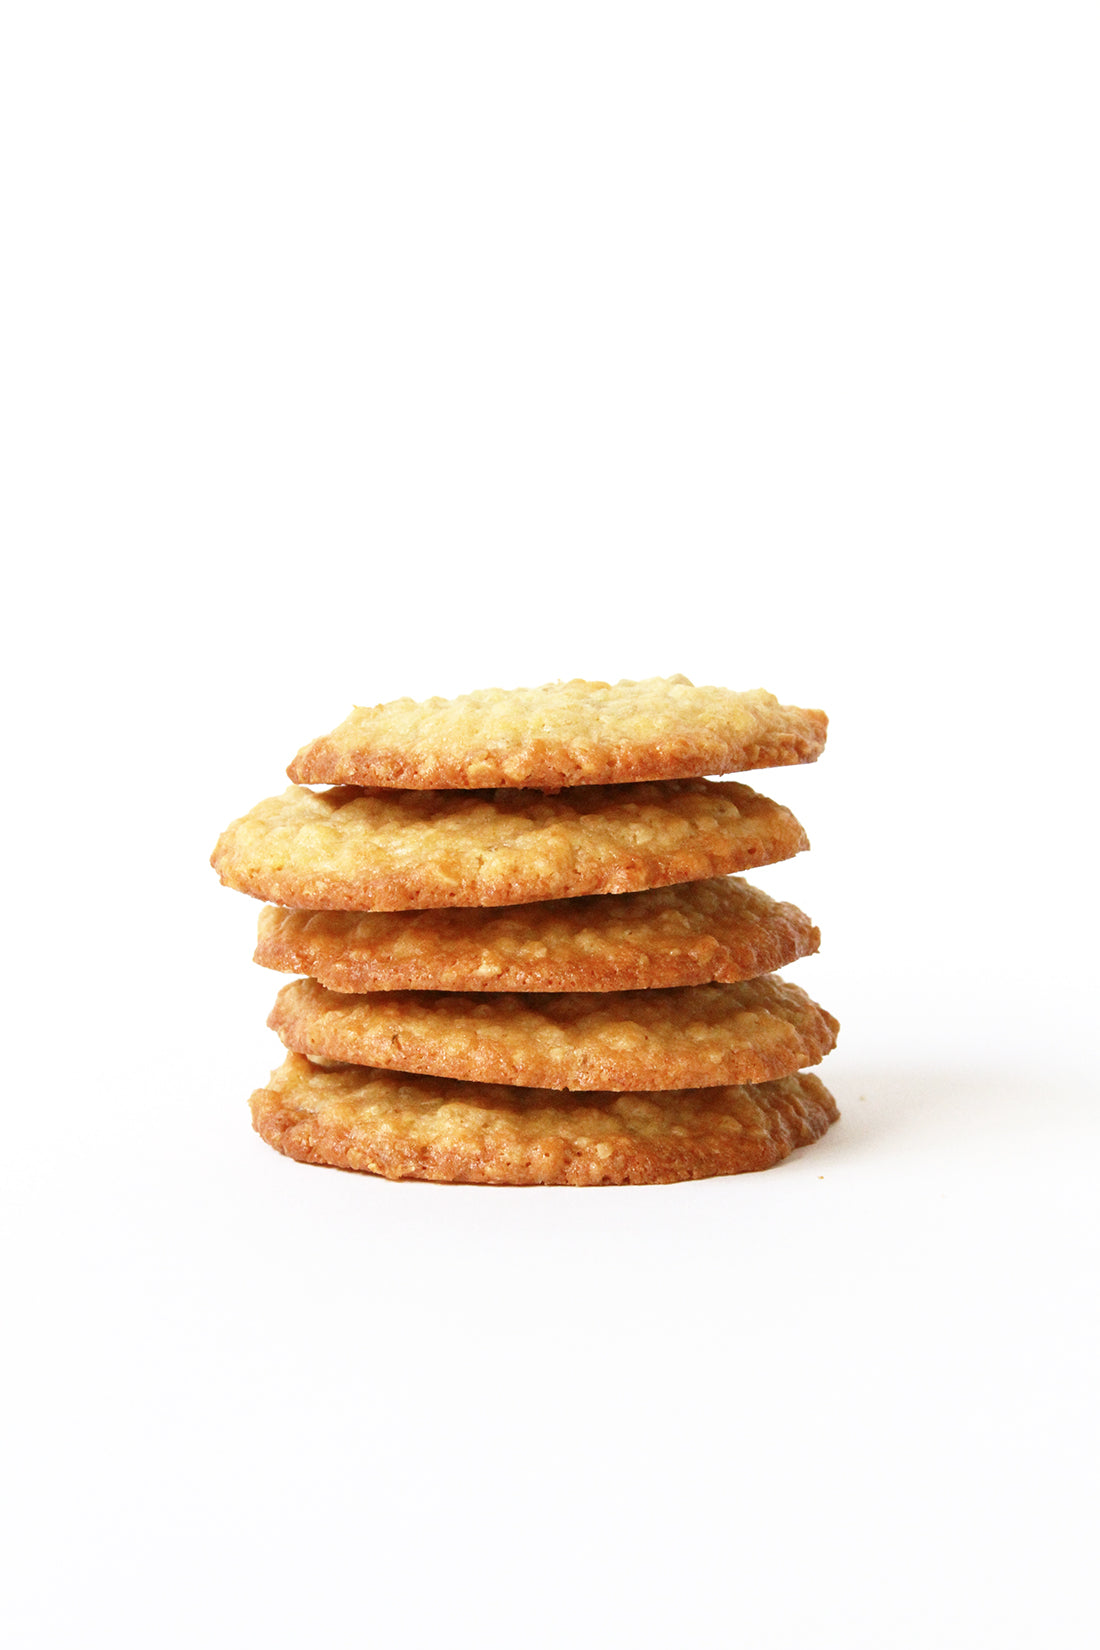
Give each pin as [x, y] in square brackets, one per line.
[683, 1037]
[378, 850]
[564, 733]
[719, 929]
[428, 1128]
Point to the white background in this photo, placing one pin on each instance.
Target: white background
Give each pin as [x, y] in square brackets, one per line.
[360, 350]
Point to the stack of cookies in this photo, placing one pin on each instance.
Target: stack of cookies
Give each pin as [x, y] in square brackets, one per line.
[525, 958]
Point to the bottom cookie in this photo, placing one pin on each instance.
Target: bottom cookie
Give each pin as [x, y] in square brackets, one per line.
[409, 1127]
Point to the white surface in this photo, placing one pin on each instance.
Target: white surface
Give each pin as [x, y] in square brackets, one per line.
[364, 351]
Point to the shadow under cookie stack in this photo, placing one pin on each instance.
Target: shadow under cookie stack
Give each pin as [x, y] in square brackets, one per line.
[527, 958]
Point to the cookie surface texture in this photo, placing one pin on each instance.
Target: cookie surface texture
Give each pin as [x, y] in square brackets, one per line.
[685, 1037]
[378, 850]
[426, 1128]
[694, 932]
[564, 733]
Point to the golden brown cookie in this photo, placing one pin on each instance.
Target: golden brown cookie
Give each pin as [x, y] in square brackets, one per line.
[429, 1128]
[684, 1037]
[380, 850]
[564, 733]
[718, 929]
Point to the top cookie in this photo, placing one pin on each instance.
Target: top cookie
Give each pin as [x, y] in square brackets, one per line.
[565, 733]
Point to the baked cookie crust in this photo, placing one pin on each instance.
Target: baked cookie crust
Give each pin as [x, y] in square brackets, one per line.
[428, 1128]
[684, 1037]
[719, 929]
[563, 733]
[380, 850]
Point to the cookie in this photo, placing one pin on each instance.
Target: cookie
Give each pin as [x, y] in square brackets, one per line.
[379, 850]
[428, 1128]
[565, 733]
[694, 932]
[683, 1037]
